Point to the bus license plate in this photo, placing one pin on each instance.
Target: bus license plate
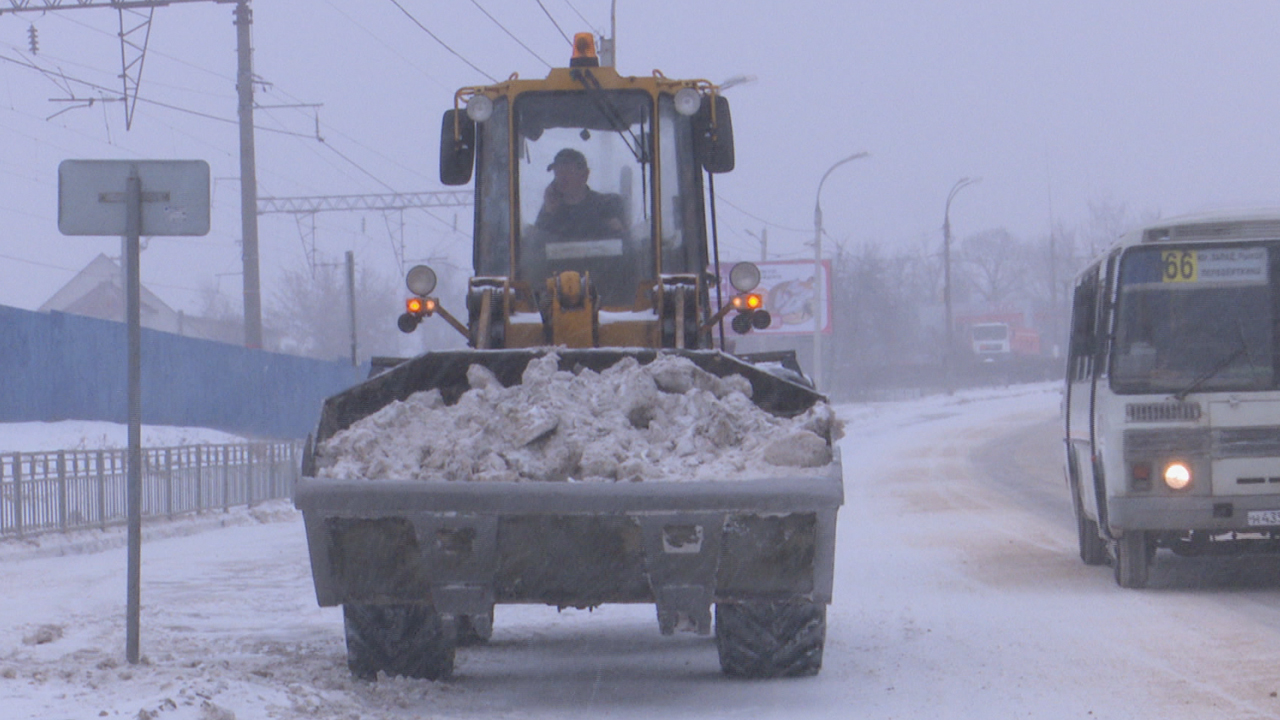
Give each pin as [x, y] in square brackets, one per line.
[1258, 518]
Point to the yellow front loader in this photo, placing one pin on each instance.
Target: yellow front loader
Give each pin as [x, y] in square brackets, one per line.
[591, 242]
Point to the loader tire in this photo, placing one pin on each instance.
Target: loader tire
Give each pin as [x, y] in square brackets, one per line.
[770, 639]
[408, 640]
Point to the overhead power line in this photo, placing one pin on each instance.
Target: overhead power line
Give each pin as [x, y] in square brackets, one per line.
[588, 23]
[508, 32]
[721, 198]
[157, 103]
[441, 42]
[547, 12]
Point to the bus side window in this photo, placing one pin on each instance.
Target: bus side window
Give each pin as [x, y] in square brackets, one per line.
[1084, 337]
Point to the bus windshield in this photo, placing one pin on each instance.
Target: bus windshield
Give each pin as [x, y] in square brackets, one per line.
[1194, 318]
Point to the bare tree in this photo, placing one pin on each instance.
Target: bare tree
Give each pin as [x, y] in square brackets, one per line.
[996, 265]
[1108, 220]
[309, 312]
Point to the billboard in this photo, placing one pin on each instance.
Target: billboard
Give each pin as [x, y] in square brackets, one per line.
[790, 295]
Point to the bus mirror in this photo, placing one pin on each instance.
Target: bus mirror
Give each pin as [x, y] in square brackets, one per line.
[714, 143]
[457, 148]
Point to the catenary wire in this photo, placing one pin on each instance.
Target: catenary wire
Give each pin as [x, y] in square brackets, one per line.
[547, 12]
[509, 33]
[455, 53]
[581, 17]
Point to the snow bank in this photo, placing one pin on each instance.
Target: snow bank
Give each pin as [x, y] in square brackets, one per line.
[665, 421]
[29, 437]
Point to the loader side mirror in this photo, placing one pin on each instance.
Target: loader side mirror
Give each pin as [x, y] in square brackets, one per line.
[457, 149]
[713, 144]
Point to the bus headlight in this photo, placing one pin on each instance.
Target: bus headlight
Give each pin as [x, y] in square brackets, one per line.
[1177, 475]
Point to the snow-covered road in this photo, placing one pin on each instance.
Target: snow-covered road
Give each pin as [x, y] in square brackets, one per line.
[959, 594]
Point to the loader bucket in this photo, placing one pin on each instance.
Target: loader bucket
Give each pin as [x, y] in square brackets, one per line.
[447, 372]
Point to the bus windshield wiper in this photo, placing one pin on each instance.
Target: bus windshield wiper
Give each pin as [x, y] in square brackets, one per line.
[1222, 364]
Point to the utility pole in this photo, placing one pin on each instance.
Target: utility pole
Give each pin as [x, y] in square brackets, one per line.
[609, 45]
[819, 277]
[248, 179]
[351, 305]
[948, 357]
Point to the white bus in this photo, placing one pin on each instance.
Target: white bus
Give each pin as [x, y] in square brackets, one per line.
[1172, 407]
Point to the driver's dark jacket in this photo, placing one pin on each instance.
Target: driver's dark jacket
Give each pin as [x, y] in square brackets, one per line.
[589, 219]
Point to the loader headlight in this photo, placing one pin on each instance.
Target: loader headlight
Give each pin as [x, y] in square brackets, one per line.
[1177, 475]
[688, 101]
[479, 108]
[744, 277]
[421, 280]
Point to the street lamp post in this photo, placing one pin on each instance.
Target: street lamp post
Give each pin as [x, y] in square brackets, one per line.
[949, 350]
[818, 285]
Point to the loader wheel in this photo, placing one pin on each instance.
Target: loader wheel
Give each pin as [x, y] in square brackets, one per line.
[1134, 553]
[770, 639]
[408, 640]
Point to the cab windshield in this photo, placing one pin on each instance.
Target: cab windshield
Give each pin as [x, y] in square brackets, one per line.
[584, 163]
[1195, 318]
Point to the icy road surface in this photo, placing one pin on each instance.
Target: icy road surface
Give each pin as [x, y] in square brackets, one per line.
[959, 594]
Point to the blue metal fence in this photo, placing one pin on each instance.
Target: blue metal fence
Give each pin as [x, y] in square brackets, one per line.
[55, 366]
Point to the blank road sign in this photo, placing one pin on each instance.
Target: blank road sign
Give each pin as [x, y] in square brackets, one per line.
[175, 196]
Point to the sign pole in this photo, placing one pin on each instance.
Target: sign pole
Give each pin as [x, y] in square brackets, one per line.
[175, 203]
[133, 302]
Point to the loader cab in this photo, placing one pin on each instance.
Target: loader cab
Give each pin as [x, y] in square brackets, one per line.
[590, 225]
[636, 148]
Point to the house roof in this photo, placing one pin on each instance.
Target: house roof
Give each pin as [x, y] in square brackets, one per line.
[98, 291]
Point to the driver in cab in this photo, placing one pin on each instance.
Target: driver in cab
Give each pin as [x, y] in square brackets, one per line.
[571, 209]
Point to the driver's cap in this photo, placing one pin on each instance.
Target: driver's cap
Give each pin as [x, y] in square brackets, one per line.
[567, 156]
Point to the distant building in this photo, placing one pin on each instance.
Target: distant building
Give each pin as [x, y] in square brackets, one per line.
[98, 291]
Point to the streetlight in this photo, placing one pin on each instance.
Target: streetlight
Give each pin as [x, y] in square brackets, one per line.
[818, 315]
[949, 350]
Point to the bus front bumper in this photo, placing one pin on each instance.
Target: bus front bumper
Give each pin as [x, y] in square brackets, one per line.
[1243, 513]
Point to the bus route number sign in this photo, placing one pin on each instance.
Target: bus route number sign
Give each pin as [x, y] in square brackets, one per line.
[1241, 265]
[1178, 265]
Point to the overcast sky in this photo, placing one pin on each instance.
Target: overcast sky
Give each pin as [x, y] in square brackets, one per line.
[1163, 106]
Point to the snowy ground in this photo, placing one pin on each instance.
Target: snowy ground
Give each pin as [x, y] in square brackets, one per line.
[958, 595]
[86, 435]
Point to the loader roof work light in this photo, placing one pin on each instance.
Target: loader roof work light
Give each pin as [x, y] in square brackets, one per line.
[479, 108]
[744, 277]
[688, 100]
[421, 280]
[1177, 475]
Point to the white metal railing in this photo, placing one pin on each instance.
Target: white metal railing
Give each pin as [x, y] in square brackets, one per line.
[64, 490]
